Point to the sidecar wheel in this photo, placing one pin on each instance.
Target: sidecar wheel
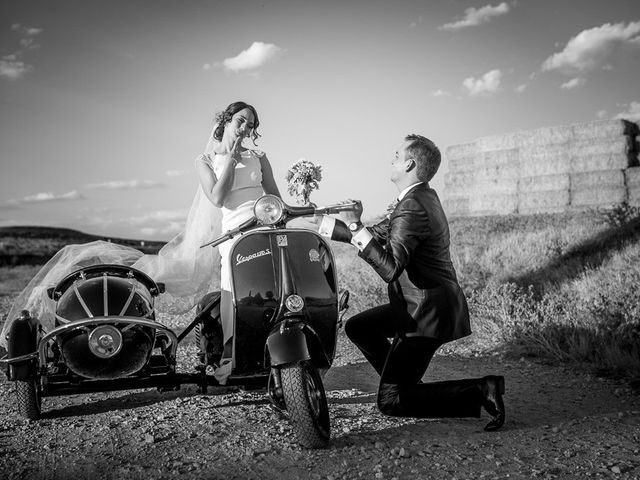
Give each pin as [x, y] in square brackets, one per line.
[29, 400]
[307, 404]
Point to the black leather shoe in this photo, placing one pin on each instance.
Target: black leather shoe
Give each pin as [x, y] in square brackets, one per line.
[492, 391]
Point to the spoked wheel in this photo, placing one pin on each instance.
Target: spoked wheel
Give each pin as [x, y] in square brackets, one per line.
[306, 403]
[28, 397]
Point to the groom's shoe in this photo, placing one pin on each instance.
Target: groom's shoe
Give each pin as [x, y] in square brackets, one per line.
[492, 390]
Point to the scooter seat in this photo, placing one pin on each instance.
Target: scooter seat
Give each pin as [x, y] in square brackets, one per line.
[207, 303]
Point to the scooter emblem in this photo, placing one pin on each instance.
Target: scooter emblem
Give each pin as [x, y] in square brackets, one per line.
[282, 240]
[314, 256]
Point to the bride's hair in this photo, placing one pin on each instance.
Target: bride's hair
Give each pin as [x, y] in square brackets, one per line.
[224, 117]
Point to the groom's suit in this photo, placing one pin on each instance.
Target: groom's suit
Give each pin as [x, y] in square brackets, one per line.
[410, 251]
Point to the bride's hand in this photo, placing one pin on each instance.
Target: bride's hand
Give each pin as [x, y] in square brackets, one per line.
[233, 157]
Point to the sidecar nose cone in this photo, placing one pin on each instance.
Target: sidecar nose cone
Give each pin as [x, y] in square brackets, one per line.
[105, 341]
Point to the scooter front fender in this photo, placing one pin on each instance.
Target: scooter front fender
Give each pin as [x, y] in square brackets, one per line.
[288, 345]
[22, 344]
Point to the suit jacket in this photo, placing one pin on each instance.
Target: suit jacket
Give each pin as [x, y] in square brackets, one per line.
[410, 251]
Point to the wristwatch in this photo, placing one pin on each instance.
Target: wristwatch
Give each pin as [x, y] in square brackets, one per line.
[355, 226]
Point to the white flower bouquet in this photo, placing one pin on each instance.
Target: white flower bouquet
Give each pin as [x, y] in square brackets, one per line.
[302, 178]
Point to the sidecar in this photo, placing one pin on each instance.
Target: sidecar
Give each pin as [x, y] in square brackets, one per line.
[105, 337]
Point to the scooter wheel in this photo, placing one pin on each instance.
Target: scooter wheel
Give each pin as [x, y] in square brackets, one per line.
[29, 401]
[306, 403]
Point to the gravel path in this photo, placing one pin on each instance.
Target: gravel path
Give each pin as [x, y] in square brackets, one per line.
[560, 424]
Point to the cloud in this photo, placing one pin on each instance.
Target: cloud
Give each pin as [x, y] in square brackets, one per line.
[521, 88]
[601, 114]
[168, 230]
[573, 83]
[12, 66]
[13, 69]
[44, 197]
[590, 48]
[415, 23]
[163, 216]
[440, 93]
[632, 113]
[488, 84]
[126, 184]
[177, 173]
[476, 16]
[258, 54]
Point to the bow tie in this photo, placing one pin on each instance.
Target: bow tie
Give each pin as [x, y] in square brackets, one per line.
[392, 206]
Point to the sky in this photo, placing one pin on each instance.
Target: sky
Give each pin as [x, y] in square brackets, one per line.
[104, 105]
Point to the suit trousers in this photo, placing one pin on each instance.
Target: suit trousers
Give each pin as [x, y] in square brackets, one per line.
[401, 364]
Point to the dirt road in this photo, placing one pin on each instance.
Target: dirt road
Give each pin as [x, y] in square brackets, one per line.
[560, 424]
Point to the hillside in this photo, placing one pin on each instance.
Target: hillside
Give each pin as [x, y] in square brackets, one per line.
[35, 245]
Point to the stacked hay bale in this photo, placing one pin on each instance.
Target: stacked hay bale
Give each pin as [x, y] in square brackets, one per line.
[546, 170]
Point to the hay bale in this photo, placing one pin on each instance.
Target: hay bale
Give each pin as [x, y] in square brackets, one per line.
[544, 183]
[547, 136]
[494, 185]
[456, 207]
[459, 178]
[615, 146]
[598, 179]
[463, 164]
[499, 158]
[504, 173]
[632, 177]
[605, 128]
[461, 150]
[553, 166]
[598, 197]
[591, 163]
[506, 141]
[457, 191]
[497, 203]
[633, 195]
[544, 152]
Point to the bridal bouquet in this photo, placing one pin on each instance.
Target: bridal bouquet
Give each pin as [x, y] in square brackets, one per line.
[302, 178]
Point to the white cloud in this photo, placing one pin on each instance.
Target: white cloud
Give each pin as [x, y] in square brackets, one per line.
[163, 216]
[488, 84]
[476, 16]
[177, 173]
[13, 69]
[253, 57]
[168, 230]
[440, 93]
[43, 197]
[126, 184]
[573, 83]
[632, 113]
[415, 23]
[601, 114]
[590, 48]
[521, 88]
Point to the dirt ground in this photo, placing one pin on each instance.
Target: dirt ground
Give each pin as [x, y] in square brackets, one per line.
[560, 424]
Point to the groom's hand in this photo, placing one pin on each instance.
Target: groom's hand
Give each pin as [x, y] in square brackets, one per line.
[354, 215]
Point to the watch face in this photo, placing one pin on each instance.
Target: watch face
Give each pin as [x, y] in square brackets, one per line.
[353, 226]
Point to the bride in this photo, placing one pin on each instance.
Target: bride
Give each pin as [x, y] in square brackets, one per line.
[231, 178]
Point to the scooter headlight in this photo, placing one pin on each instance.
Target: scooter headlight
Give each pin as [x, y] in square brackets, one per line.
[268, 209]
[294, 303]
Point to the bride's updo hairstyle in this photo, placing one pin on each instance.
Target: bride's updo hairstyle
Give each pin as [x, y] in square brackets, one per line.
[225, 117]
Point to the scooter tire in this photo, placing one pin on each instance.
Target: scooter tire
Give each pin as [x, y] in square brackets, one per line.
[29, 401]
[306, 403]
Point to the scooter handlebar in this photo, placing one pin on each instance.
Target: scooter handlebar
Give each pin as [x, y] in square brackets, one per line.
[231, 233]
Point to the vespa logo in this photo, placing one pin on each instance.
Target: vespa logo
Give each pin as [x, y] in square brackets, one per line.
[314, 256]
[242, 258]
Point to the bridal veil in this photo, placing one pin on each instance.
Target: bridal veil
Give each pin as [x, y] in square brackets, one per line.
[187, 270]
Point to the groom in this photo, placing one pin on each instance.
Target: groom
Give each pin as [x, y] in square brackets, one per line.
[427, 308]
